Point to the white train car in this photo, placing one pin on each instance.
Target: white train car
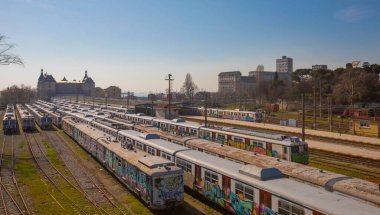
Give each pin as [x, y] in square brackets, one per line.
[156, 181]
[9, 120]
[26, 119]
[42, 119]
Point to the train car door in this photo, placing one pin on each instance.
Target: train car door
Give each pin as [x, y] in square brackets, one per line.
[198, 178]
[265, 200]
[247, 144]
[226, 186]
[269, 148]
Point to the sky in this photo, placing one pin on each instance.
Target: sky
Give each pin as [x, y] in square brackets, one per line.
[135, 44]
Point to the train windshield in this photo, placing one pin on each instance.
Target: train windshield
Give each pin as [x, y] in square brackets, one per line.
[301, 149]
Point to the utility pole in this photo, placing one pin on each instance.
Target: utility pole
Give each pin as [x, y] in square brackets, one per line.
[128, 94]
[152, 98]
[170, 94]
[331, 113]
[76, 91]
[320, 99]
[205, 108]
[106, 94]
[303, 117]
[315, 107]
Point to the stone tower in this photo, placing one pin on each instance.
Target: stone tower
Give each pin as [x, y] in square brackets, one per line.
[88, 85]
[46, 86]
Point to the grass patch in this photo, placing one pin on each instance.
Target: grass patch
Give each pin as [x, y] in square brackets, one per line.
[37, 190]
[78, 150]
[136, 206]
[199, 204]
[53, 156]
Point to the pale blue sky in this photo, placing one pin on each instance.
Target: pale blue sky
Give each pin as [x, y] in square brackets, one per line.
[135, 44]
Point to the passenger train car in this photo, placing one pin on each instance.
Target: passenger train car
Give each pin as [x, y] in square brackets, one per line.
[233, 114]
[42, 119]
[238, 188]
[26, 119]
[156, 181]
[53, 112]
[278, 146]
[9, 120]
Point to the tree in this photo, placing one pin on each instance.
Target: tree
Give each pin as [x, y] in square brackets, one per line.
[300, 74]
[356, 85]
[7, 58]
[189, 87]
[18, 94]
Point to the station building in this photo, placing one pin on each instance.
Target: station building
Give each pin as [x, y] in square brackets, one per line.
[48, 87]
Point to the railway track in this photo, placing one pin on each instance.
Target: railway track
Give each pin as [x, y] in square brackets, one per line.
[346, 158]
[94, 190]
[12, 199]
[75, 198]
[364, 168]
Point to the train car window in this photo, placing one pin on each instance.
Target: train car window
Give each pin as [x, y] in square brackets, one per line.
[238, 139]
[118, 160]
[139, 145]
[244, 190]
[166, 156]
[186, 166]
[286, 150]
[286, 208]
[211, 177]
[258, 144]
[151, 150]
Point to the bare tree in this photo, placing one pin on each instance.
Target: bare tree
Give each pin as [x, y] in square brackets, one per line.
[189, 87]
[7, 58]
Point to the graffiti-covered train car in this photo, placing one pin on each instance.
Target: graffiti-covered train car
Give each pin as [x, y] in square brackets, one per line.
[155, 180]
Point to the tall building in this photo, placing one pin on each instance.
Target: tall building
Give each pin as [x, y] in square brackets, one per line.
[268, 76]
[318, 67]
[48, 87]
[234, 82]
[285, 64]
[229, 81]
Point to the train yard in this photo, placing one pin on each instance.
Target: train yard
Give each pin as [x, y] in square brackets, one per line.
[54, 177]
[74, 187]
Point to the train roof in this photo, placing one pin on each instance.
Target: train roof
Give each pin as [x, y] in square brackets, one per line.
[233, 111]
[138, 115]
[303, 194]
[178, 122]
[159, 144]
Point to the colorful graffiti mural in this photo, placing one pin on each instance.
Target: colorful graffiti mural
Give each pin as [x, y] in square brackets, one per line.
[170, 188]
[231, 201]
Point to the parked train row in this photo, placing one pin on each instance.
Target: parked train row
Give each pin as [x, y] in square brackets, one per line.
[330, 181]
[233, 114]
[26, 119]
[9, 120]
[278, 146]
[43, 120]
[239, 188]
